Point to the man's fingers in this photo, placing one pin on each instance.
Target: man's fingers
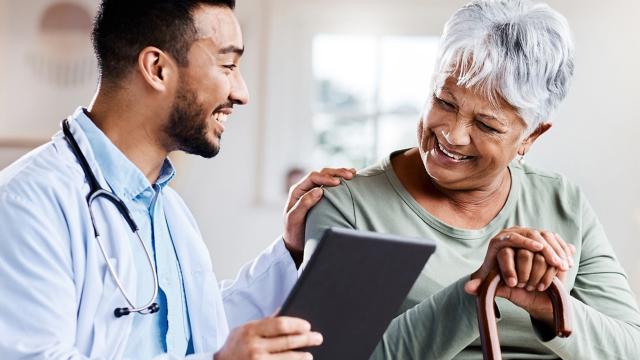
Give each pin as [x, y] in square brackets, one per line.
[282, 325]
[325, 177]
[296, 214]
[524, 262]
[291, 355]
[292, 342]
[507, 266]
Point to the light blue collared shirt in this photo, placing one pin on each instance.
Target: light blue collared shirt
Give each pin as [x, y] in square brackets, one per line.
[58, 296]
[168, 330]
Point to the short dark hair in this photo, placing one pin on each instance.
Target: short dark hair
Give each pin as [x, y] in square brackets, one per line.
[122, 28]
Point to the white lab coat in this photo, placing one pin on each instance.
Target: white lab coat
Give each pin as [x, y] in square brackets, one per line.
[57, 296]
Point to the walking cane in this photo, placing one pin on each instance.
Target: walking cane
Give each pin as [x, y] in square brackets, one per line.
[487, 316]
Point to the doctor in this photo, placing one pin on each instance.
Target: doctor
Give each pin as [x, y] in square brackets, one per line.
[99, 258]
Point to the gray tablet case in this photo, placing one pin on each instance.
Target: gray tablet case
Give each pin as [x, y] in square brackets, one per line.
[352, 287]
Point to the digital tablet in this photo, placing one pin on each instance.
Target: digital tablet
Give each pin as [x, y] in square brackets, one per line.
[352, 287]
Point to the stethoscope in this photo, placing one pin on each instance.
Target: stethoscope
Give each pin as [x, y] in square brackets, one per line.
[96, 192]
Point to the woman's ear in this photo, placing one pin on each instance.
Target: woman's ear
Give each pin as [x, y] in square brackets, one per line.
[156, 68]
[526, 144]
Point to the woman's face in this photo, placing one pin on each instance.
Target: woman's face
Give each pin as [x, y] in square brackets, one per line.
[465, 142]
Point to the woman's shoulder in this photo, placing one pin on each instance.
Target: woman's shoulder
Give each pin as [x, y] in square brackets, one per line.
[545, 184]
[370, 180]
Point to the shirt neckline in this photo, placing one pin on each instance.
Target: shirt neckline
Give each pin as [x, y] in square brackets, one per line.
[464, 234]
[124, 178]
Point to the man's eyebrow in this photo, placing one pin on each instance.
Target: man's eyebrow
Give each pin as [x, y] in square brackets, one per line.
[232, 49]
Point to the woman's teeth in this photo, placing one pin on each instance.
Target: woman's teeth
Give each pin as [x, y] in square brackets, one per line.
[220, 117]
[453, 156]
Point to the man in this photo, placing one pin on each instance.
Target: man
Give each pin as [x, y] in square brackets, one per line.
[169, 78]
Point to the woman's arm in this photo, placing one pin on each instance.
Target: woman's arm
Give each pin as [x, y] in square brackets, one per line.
[606, 320]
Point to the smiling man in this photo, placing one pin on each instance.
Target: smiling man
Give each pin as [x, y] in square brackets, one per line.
[100, 258]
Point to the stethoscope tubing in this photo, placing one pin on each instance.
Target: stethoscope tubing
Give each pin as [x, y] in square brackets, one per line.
[97, 192]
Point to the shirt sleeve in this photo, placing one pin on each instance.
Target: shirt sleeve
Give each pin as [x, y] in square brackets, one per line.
[38, 317]
[261, 286]
[334, 210]
[447, 319]
[606, 320]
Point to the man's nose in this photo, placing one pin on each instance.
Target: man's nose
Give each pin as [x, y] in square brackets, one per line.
[239, 92]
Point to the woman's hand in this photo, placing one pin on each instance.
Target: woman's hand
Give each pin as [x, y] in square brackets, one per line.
[526, 272]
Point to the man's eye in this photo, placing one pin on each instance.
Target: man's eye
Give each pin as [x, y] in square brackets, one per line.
[230, 66]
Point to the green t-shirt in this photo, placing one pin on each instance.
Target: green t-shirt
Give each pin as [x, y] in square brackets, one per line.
[438, 319]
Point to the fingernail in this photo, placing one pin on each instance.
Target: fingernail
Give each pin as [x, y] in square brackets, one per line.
[317, 338]
[511, 282]
[317, 192]
[530, 288]
[540, 287]
[521, 285]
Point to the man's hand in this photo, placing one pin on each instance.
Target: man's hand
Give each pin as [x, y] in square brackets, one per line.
[527, 270]
[302, 197]
[273, 338]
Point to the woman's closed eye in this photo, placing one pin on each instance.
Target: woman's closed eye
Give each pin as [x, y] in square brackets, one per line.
[486, 128]
[483, 126]
[447, 106]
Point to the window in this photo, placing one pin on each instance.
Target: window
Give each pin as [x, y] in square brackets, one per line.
[369, 92]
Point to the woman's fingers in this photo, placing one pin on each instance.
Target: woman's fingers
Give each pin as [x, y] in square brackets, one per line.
[513, 240]
[524, 263]
[538, 270]
[554, 242]
[546, 280]
[507, 266]
[568, 250]
[549, 252]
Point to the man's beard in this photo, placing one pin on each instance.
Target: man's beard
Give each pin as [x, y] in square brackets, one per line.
[186, 128]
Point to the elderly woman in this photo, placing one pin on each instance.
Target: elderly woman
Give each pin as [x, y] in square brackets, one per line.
[503, 68]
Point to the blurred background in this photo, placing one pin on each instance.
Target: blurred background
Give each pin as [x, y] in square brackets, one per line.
[340, 83]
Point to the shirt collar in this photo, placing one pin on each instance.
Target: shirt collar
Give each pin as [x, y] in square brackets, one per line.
[125, 178]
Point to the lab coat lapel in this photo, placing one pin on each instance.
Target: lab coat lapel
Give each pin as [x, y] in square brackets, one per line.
[204, 303]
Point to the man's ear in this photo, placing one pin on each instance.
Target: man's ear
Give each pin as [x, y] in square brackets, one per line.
[526, 144]
[157, 68]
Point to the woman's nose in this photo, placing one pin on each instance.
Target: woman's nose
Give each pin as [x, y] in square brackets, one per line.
[457, 134]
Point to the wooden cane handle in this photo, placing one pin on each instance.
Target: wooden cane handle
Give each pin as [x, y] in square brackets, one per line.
[487, 315]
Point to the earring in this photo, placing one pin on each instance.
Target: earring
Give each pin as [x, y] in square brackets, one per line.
[521, 160]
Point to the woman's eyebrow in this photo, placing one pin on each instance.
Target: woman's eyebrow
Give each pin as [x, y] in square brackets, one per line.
[491, 118]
